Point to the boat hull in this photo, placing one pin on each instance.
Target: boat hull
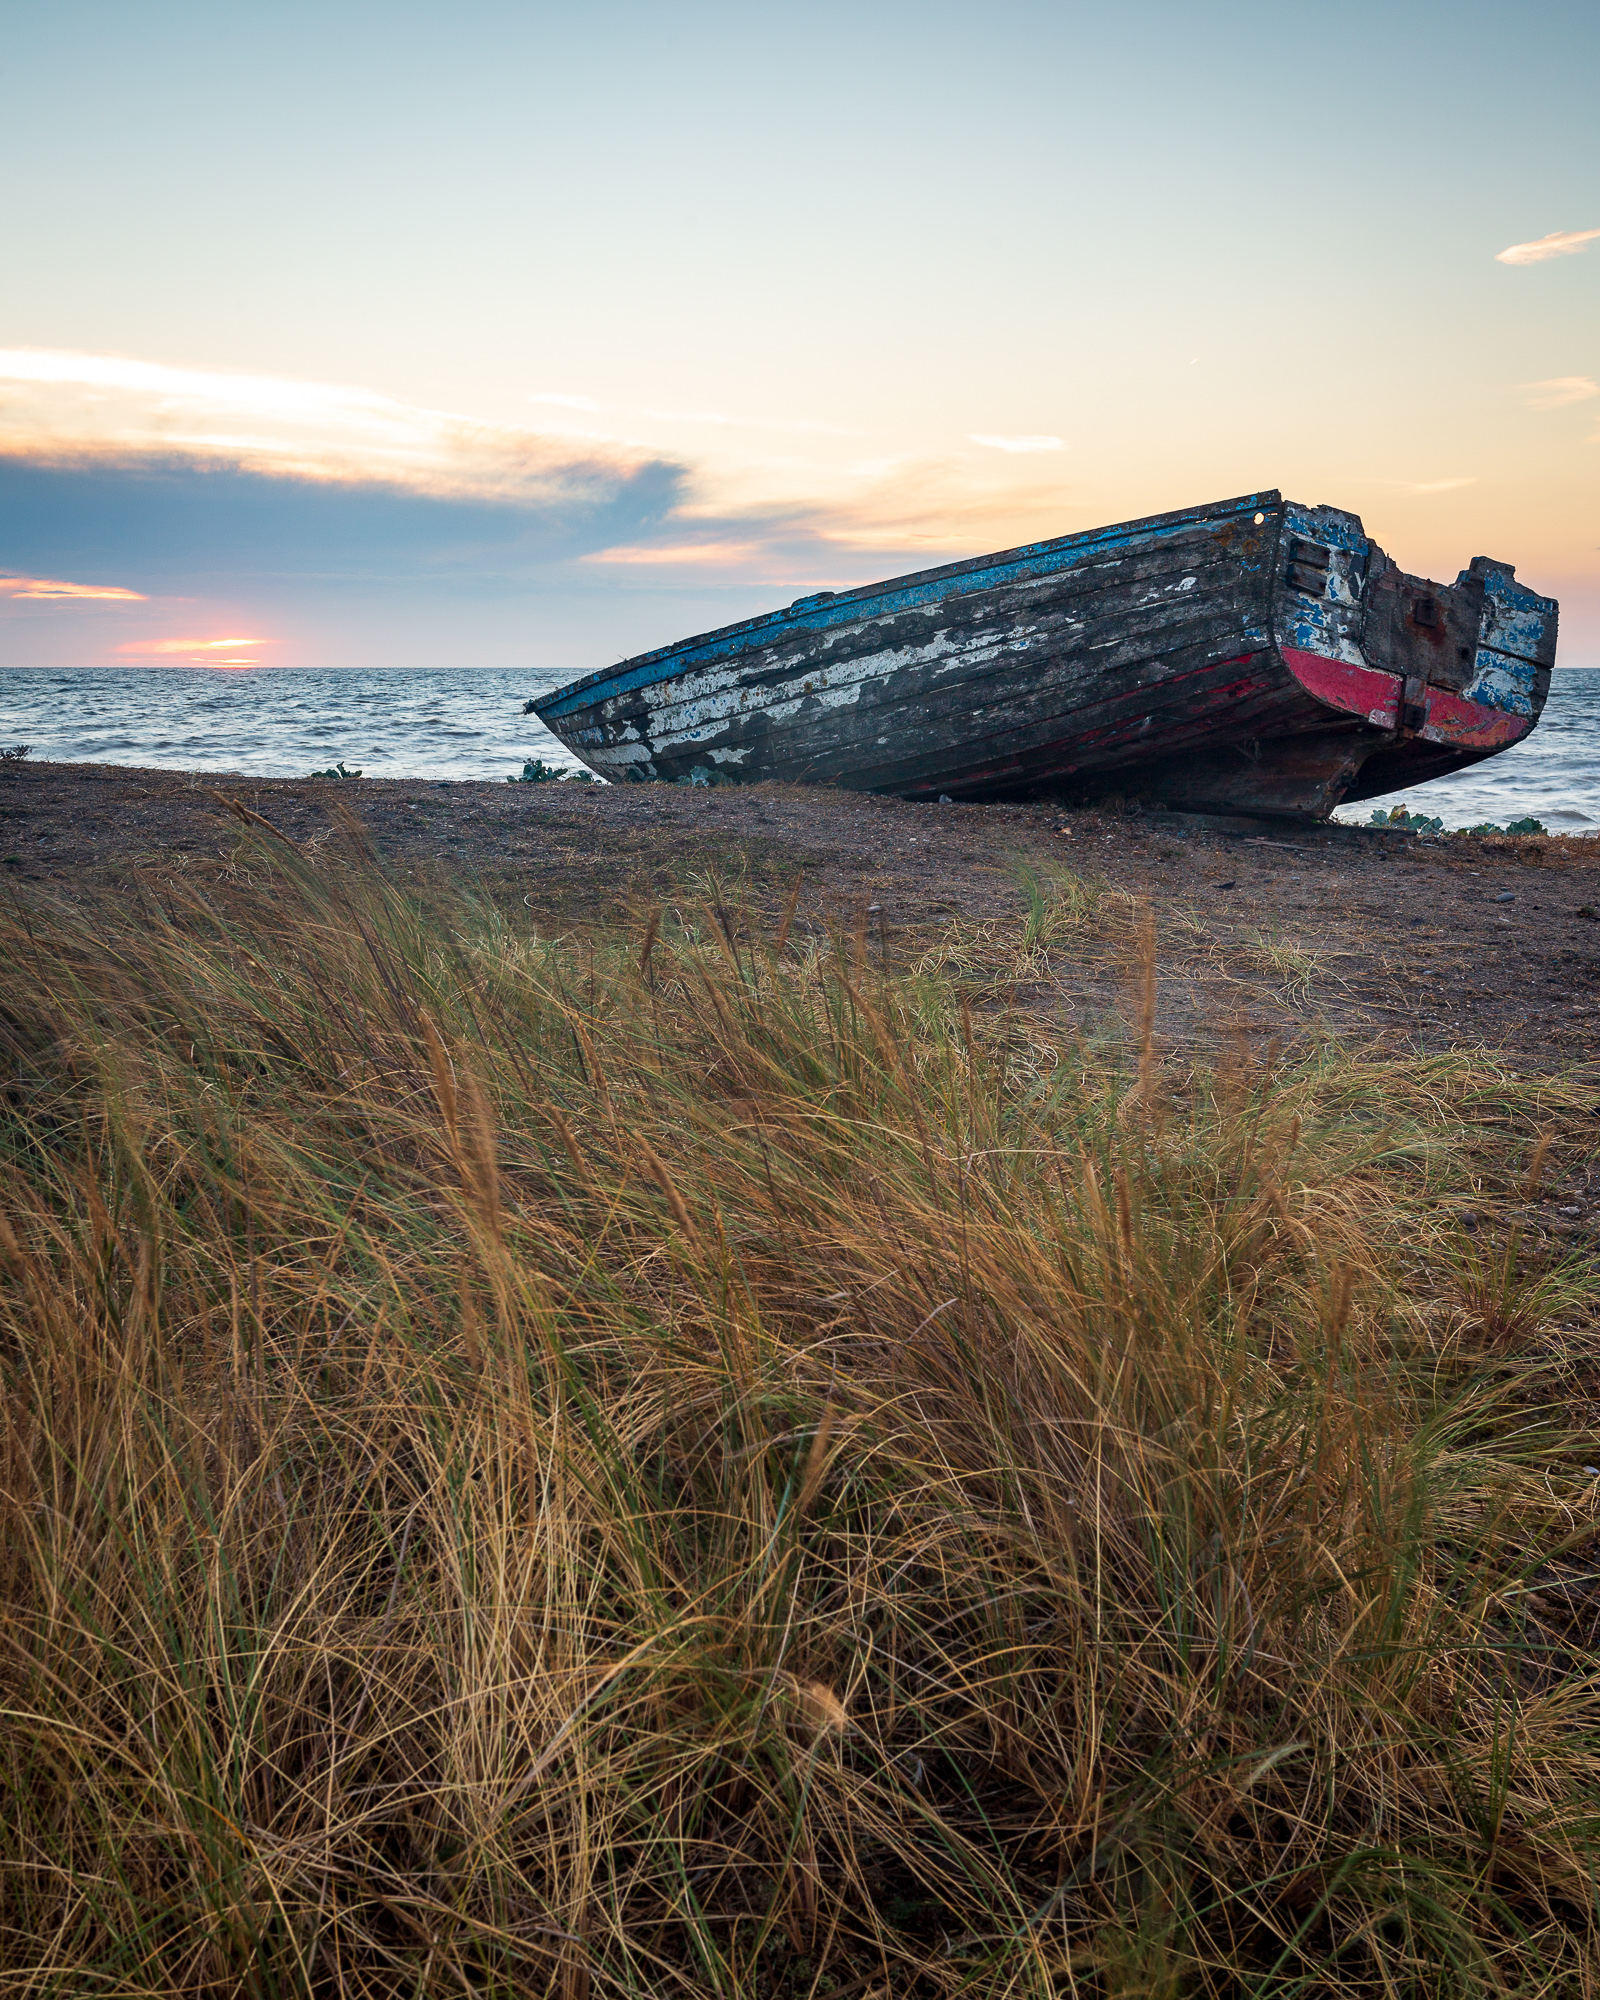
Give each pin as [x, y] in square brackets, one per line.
[1216, 659]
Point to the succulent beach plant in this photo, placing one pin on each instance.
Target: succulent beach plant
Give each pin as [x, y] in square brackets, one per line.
[537, 772]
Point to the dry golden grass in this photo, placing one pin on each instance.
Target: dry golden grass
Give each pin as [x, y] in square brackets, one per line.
[674, 1464]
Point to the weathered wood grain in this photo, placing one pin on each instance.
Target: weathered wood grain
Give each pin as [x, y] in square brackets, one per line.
[1256, 655]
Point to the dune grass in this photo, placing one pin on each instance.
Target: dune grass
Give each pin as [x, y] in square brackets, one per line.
[674, 1463]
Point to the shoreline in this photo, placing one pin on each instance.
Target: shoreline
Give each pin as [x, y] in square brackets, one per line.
[1464, 941]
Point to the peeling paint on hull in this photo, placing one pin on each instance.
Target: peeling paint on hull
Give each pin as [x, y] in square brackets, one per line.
[1254, 655]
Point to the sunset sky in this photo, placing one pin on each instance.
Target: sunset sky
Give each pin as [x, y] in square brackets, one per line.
[344, 335]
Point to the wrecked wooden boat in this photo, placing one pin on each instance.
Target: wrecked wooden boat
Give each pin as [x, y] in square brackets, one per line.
[1255, 656]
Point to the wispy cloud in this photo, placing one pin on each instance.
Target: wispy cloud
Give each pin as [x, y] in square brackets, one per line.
[995, 442]
[1559, 391]
[219, 485]
[716, 419]
[894, 514]
[51, 587]
[268, 395]
[1422, 486]
[139, 471]
[667, 553]
[56, 404]
[792, 426]
[1559, 243]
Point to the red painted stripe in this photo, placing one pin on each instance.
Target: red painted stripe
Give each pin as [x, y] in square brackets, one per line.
[1452, 719]
[1375, 695]
[1366, 691]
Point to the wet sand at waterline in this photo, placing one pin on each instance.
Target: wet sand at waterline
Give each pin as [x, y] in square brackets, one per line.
[1260, 927]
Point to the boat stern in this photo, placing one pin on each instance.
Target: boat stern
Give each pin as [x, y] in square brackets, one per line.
[1441, 675]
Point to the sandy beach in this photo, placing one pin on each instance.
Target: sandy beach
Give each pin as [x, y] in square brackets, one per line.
[1259, 926]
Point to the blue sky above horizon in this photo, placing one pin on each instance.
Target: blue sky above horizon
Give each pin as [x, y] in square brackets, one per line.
[362, 336]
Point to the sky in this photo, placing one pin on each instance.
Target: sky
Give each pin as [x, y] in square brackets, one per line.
[527, 336]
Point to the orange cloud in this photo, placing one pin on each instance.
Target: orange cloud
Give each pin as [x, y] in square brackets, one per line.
[50, 586]
[683, 552]
[941, 507]
[54, 402]
[1559, 243]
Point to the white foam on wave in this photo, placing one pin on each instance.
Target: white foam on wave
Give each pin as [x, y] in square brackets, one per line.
[467, 722]
[279, 722]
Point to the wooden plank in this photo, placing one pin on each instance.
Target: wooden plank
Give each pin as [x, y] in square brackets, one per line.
[1147, 653]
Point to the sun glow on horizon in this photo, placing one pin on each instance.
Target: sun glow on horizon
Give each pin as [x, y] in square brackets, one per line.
[194, 652]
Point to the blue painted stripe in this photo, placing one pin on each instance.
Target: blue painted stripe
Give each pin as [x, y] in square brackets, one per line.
[1501, 680]
[1327, 525]
[877, 600]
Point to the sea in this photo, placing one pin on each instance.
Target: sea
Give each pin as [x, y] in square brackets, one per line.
[467, 722]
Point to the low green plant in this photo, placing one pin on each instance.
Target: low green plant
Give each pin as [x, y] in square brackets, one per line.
[1405, 820]
[537, 772]
[662, 1462]
[1527, 825]
[1408, 822]
[338, 771]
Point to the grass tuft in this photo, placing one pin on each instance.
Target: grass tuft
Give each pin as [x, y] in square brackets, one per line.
[672, 1462]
